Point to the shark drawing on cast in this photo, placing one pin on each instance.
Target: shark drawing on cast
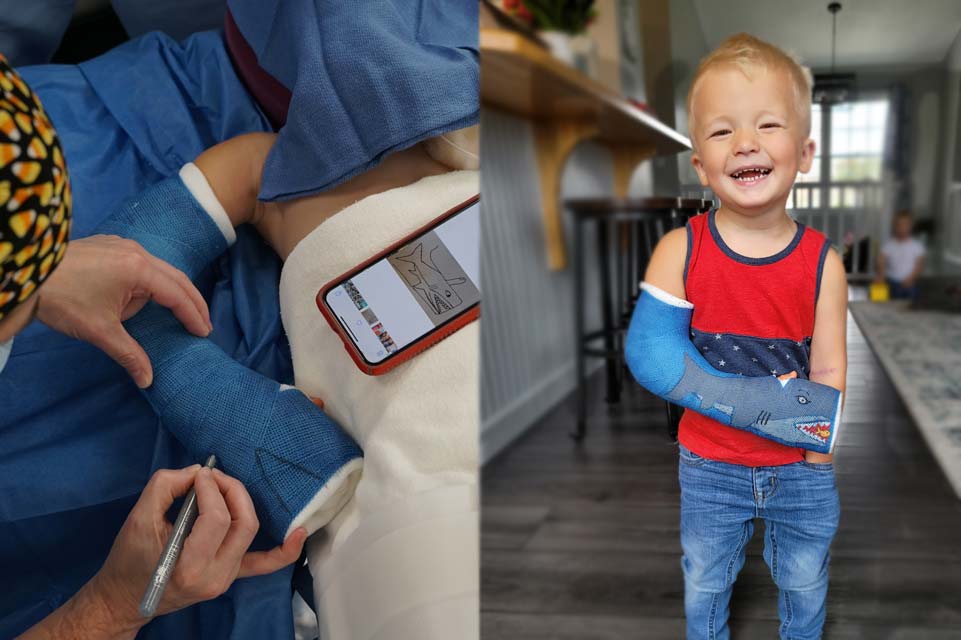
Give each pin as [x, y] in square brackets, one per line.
[771, 412]
[663, 360]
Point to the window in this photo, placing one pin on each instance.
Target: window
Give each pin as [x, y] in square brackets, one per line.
[857, 140]
[857, 132]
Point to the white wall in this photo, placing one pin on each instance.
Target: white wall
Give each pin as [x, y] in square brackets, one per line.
[527, 326]
[688, 46]
[951, 79]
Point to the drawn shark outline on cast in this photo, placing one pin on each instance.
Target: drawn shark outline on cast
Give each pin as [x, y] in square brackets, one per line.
[772, 413]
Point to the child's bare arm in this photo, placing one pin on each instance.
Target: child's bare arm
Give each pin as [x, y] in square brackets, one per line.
[233, 169]
[829, 359]
[665, 269]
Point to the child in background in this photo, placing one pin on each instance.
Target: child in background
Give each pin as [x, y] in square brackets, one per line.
[770, 298]
[902, 258]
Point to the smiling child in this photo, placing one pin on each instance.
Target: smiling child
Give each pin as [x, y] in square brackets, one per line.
[770, 298]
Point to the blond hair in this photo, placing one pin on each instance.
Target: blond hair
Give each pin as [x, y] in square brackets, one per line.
[746, 53]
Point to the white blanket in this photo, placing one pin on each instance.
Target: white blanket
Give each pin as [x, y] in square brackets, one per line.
[401, 560]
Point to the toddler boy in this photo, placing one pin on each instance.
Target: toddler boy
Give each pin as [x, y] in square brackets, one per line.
[770, 298]
[902, 258]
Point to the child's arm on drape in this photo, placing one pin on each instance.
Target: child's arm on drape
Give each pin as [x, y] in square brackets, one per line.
[233, 169]
[829, 360]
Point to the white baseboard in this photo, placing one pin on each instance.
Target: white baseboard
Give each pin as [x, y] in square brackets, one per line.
[512, 421]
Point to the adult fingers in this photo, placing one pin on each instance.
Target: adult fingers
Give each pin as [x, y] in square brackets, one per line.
[257, 563]
[191, 292]
[211, 526]
[165, 486]
[111, 338]
[169, 292]
[244, 523]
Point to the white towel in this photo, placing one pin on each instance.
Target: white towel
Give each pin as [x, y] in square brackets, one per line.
[416, 502]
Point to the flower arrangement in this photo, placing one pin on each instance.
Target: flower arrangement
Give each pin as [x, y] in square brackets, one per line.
[568, 16]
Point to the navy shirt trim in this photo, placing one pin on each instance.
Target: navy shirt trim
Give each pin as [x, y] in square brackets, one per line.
[780, 255]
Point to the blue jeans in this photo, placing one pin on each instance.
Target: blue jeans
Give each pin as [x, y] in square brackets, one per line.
[799, 505]
[901, 292]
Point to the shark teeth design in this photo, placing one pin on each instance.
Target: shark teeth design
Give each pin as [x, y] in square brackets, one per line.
[819, 430]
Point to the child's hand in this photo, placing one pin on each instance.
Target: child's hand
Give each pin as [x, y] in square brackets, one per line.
[788, 376]
[817, 458]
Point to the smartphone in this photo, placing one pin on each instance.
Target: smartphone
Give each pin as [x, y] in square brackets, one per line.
[411, 295]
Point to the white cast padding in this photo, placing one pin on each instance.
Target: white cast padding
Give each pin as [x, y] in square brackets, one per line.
[331, 498]
[837, 424]
[417, 424]
[199, 188]
[665, 297]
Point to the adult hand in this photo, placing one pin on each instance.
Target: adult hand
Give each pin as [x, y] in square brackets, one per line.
[104, 280]
[214, 555]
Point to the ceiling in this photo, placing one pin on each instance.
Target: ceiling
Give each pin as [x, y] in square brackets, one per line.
[870, 32]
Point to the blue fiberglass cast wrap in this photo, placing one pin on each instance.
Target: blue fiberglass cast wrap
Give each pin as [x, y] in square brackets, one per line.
[796, 412]
[277, 442]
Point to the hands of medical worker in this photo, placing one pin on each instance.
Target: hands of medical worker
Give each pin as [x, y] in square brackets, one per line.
[214, 555]
[104, 280]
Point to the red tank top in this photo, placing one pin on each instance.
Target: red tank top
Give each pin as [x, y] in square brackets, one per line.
[753, 316]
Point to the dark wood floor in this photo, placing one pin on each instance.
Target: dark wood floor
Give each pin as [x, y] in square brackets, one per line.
[582, 541]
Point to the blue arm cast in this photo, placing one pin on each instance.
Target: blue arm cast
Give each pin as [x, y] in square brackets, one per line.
[660, 355]
[298, 465]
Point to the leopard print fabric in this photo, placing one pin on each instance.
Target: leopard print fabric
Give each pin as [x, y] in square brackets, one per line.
[35, 196]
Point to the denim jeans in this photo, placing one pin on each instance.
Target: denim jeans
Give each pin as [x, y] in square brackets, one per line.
[799, 506]
[901, 292]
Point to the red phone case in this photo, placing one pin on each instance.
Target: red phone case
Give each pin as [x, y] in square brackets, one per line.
[416, 347]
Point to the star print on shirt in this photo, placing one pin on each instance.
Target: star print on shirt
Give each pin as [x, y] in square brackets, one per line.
[750, 355]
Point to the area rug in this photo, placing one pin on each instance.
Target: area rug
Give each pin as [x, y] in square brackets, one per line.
[921, 353]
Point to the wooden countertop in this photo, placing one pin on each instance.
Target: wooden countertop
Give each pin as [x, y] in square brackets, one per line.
[520, 77]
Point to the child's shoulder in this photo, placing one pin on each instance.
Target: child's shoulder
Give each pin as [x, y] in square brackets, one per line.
[665, 269]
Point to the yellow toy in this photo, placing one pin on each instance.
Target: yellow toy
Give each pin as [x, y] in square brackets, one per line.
[879, 292]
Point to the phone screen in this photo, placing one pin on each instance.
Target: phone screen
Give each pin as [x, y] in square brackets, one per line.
[414, 290]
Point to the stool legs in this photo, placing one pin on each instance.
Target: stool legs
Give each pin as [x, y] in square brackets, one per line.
[579, 364]
[607, 313]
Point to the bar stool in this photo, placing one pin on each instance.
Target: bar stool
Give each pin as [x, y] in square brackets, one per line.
[638, 223]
